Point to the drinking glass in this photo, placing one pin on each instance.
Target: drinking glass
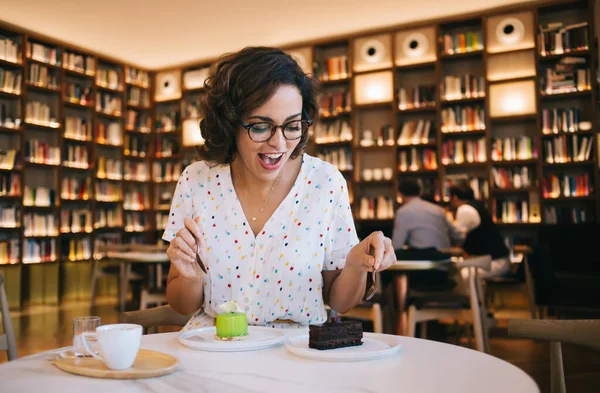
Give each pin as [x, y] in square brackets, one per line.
[81, 325]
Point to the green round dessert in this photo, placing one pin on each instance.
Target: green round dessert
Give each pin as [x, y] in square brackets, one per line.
[232, 326]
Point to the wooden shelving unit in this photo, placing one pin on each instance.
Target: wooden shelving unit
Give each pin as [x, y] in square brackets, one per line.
[71, 95]
[497, 125]
[132, 136]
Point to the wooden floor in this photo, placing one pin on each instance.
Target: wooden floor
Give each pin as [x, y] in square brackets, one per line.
[43, 328]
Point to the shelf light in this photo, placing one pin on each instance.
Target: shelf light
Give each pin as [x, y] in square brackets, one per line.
[373, 88]
[191, 133]
[511, 99]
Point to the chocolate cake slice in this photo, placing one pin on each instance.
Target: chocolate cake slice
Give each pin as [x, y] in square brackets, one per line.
[335, 334]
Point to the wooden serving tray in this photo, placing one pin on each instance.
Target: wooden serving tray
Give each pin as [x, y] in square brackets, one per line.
[147, 364]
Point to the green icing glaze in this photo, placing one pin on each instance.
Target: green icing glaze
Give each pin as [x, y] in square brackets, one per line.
[232, 324]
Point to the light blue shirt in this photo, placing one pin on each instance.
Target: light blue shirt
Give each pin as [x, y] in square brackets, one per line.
[422, 224]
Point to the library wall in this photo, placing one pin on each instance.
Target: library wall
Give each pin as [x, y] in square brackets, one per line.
[506, 100]
[73, 164]
[91, 148]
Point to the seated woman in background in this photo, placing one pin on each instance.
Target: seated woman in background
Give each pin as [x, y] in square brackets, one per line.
[272, 225]
[482, 235]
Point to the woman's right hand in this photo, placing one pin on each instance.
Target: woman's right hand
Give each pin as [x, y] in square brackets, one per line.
[183, 249]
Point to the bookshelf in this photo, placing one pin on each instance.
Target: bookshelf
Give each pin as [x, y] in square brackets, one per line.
[110, 138]
[65, 177]
[78, 157]
[469, 100]
[137, 210]
[475, 96]
[569, 170]
[334, 135]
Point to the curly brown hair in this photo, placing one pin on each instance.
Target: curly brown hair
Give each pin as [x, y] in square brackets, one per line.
[239, 83]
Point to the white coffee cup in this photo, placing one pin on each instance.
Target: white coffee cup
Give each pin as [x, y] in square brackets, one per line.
[118, 344]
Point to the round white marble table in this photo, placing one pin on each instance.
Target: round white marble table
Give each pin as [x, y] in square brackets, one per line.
[421, 366]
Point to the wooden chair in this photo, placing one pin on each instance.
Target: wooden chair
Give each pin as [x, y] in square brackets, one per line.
[370, 310]
[512, 281]
[7, 340]
[154, 317]
[464, 303]
[366, 311]
[123, 272]
[156, 294]
[585, 333]
[153, 296]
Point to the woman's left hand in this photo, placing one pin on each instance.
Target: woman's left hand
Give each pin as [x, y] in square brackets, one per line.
[375, 252]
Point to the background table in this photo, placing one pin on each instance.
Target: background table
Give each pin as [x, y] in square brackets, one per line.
[422, 366]
[153, 256]
[400, 282]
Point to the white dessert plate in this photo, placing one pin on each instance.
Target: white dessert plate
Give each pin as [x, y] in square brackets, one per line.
[374, 346]
[258, 338]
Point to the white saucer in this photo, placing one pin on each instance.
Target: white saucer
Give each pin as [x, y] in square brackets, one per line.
[258, 338]
[374, 346]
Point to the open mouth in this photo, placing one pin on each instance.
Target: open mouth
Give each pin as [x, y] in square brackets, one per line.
[271, 159]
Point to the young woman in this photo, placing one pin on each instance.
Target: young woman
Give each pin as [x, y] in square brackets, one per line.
[272, 225]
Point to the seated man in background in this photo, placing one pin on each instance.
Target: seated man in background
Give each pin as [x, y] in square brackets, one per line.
[421, 230]
[421, 225]
[482, 235]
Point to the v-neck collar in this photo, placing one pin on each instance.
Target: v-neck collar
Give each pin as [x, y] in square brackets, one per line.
[291, 194]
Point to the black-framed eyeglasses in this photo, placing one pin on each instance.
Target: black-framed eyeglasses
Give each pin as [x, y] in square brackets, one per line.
[263, 131]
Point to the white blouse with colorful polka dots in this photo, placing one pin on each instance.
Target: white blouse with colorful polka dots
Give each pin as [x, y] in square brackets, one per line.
[277, 274]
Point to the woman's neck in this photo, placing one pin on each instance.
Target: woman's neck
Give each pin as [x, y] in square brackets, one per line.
[255, 186]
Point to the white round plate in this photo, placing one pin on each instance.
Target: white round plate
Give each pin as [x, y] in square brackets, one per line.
[258, 338]
[374, 347]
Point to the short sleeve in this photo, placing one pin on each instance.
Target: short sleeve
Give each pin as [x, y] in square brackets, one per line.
[467, 218]
[182, 203]
[342, 231]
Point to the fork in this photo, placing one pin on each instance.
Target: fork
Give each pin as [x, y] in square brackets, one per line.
[198, 260]
[373, 290]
